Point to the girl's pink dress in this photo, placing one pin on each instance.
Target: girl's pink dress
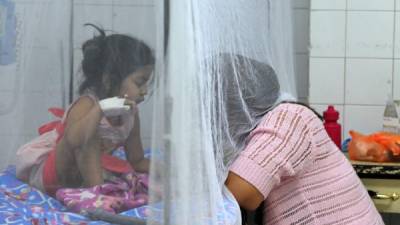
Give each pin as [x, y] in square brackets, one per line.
[36, 162]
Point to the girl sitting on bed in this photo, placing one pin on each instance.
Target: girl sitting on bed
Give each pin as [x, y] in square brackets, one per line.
[115, 70]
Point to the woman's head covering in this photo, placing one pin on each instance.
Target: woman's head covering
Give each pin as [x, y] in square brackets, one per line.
[245, 90]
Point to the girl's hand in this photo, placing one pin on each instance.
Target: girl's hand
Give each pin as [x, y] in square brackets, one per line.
[115, 106]
[131, 104]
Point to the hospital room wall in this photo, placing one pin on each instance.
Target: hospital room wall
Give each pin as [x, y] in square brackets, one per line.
[134, 17]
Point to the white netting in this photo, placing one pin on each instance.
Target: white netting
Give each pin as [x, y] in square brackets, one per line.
[218, 69]
[227, 64]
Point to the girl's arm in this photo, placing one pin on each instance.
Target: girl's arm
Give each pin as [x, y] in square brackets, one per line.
[89, 163]
[134, 149]
[80, 137]
[82, 122]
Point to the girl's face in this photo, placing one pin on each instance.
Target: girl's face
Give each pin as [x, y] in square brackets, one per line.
[134, 86]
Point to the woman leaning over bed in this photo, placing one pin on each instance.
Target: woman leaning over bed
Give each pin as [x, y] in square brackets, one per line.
[288, 163]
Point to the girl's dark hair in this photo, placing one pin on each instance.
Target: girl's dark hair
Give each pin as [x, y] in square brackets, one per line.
[109, 59]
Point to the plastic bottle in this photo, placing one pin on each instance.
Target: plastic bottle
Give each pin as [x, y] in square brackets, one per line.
[332, 127]
[390, 116]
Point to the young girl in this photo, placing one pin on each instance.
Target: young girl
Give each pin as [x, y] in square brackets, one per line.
[114, 67]
[288, 160]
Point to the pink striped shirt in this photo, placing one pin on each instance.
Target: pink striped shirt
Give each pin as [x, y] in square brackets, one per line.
[303, 176]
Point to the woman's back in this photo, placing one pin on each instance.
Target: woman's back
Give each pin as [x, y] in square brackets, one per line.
[304, 177]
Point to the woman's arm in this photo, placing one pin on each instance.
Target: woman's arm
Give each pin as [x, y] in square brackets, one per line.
[134, 149]
[245, 194]
[277, 149]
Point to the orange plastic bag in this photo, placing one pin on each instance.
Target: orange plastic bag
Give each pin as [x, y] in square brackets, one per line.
[377, 147]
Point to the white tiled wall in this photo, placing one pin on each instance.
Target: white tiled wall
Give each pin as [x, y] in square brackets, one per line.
[396, 85]
[368, 81]
[370, 5]
[329, 5]
[328, 74]
[301, 15]
[327, 33]
[354, 59]
[370, 34]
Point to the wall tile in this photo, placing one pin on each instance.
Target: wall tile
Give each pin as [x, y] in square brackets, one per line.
[8, 77]
[302, 75]
[133, 2]
[14, 118]
[46, 17]
[364, 119]
[397, 5]
[301, 4]
[114, 2]
[397, 36]
[77, 70]
[23, 12]
[93, 2]
[146, 117]
[370, 34]
[370, 5]
[8, 107]
[138, 21]
[38, 115]
[78, 57]
[100, 15]
[368, 81]
[31, 1]
[45, 66]
[301, 30]
[327, 33]
[326, 80]
[396, 77]
[328, 4]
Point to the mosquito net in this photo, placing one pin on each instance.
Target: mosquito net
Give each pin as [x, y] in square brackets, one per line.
[227, 64]
[150, 103]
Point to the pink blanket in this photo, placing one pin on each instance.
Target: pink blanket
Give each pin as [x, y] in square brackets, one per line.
[116, 195]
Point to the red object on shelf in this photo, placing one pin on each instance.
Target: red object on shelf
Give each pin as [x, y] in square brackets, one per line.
[332, 127]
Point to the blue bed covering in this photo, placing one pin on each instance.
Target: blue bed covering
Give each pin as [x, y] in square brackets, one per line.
[22, 204]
